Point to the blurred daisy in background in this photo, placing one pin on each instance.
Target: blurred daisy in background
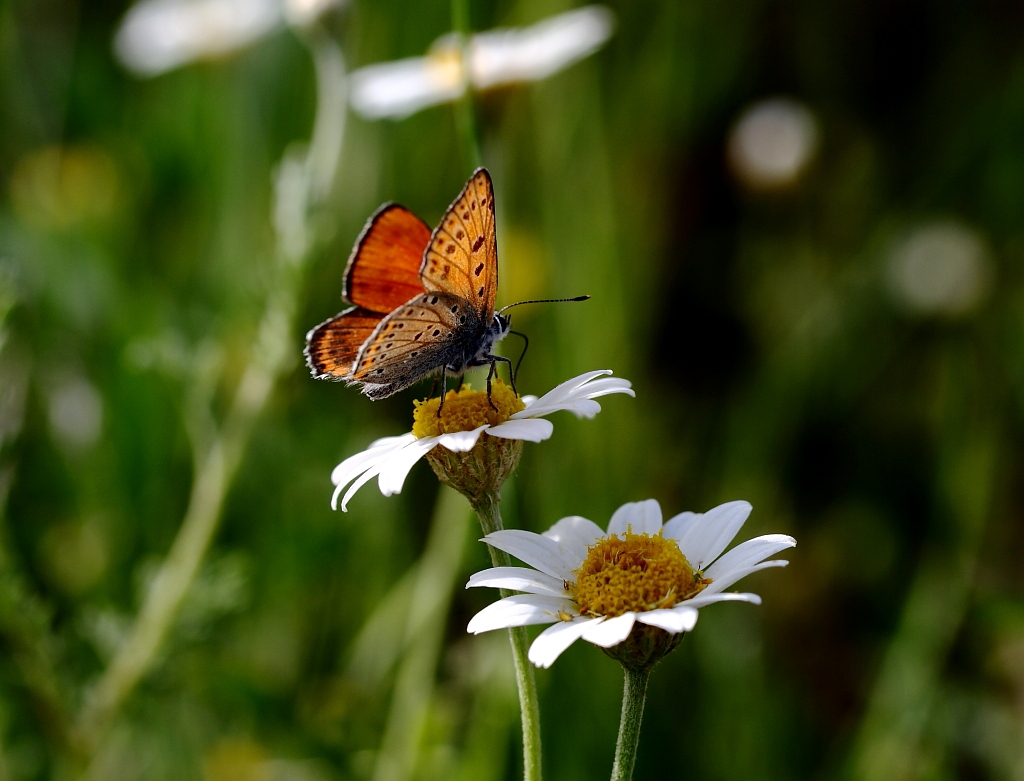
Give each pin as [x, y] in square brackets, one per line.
[940, 268]
[394, 90]
[159, 35]
[772, 143]
[614, 586]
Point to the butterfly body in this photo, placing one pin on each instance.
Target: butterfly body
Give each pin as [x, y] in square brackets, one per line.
[423, 300]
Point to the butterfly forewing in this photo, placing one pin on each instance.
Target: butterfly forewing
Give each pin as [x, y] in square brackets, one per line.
[332, 347]
[383, 270]
[462, 256]
[417, 338]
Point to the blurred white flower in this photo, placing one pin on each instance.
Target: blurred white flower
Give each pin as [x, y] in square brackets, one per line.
[772, 142]
[158, 35]
[941, 268]
[504, 56]
[76, 413]
[605, 587]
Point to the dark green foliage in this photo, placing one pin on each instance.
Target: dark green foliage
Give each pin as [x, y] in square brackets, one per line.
[771, 357]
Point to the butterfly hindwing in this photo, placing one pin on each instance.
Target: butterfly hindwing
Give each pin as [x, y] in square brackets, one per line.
[383, 270]
[431, 331]
[332, 347]
[462, 255]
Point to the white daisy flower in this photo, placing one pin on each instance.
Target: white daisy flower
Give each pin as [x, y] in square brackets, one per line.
[491, 59]
[605, 587]
[466, 416]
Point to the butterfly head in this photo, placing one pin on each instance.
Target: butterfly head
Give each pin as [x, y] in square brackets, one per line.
[500, 326]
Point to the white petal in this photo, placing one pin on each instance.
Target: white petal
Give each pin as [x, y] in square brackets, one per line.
[354, 465]
[363, 479]
[401, 439]
[530, 430]
[604, 387]
[559, 392]
[677, 526]
[712, 532]
[461, 441]
[749, 553]
[675, 620]
[610, 632]
[579, 400]
[393, 471]
[704, 598]
[581, 408]
[519, 579]
[727, 579]
[576, 533]
[640, 517]
[552, 641]
[536, 52]
[397, 89]
[520, 610]
[540, 552]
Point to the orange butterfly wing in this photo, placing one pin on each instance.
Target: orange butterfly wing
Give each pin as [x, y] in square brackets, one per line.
[383, 270]
[462, 256]
[332, 347]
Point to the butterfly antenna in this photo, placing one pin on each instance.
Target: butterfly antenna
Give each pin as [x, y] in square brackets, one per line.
[543, 301]
[526, 346]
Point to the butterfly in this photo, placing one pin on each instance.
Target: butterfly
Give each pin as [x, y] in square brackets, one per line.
[422, 301]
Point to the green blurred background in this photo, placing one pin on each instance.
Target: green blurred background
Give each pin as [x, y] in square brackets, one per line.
[838, 339]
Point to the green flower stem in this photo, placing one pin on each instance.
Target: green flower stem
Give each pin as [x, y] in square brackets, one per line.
[634, 693]
[465, 120]
[490, 520]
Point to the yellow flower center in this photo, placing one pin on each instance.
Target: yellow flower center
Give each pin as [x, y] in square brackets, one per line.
[635, 572]
[465, 410]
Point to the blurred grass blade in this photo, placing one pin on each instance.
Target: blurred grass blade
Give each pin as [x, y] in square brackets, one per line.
[436, 578]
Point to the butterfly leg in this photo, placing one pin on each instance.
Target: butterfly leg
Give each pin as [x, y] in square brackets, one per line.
[490, 374]
[444, 389]
[459, 386]
[526, 346]
[493, 360]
